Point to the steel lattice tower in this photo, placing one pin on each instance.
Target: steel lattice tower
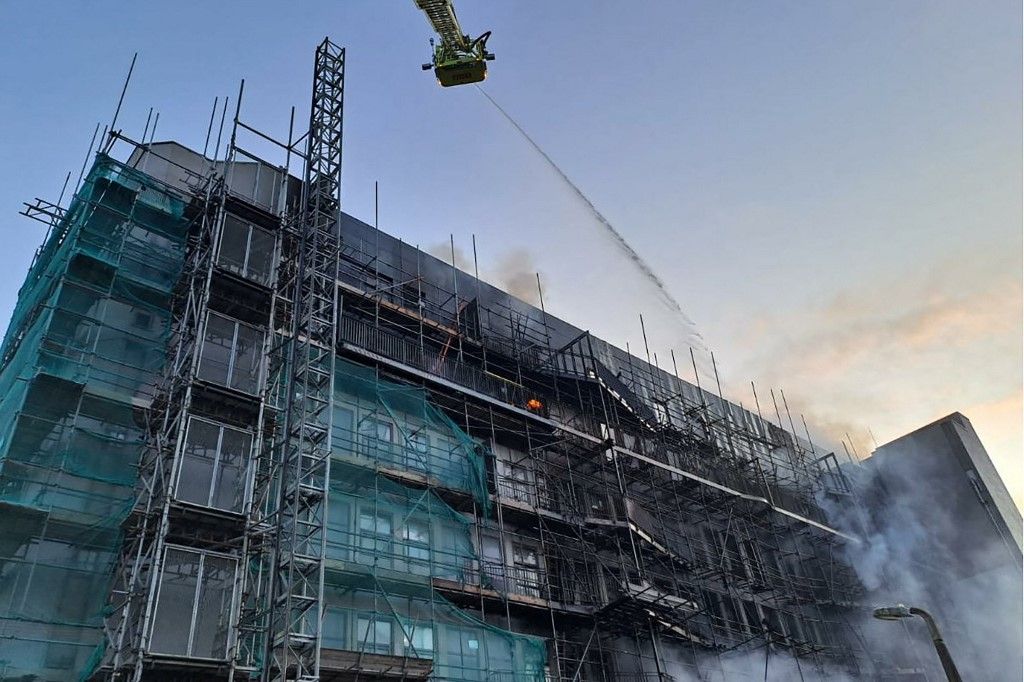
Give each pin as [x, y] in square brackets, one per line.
[302, 443]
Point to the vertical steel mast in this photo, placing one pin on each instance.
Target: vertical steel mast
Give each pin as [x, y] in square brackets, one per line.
[302, 441]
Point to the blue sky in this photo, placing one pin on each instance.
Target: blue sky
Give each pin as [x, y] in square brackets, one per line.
[831, 189]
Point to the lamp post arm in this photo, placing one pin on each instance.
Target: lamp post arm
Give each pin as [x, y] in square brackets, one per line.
[948, 666]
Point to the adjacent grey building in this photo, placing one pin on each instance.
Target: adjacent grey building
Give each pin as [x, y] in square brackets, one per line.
[944, 534]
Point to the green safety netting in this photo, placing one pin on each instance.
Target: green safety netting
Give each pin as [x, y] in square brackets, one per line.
[392, 529]
[371, 617]
[394, 427]
[85, 344]
[386, 544]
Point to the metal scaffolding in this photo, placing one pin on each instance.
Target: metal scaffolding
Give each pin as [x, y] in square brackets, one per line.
[358, 460]
[299, 511]
[658, 511]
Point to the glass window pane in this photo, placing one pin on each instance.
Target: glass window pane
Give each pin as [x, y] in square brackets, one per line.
[173, 615]
[339, 535]
[197, 463]
[423, 640]
[374, 635]
[417, 547]
[216, 354]
[334, 635]
[375, 537]
[260, 267]
[230, 486]
[245, 375]
[213, 619]
[416, 531]
[524, 555]
[344, 418]
[362, 628]
[420, 444]
[233, 244]
[382, 636]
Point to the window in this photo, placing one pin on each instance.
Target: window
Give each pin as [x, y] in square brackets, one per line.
[463, 653]
[516, 480]
[334, 634]
[418, 639]
[526, 568]
[417, 546]
[755, 566]
[376, 435]
[189, 579]
[374, 635]
[519, 476]
[339, 535]
[418, 450]
[246, 250]
[419, 441]
[214, 465]
[232, 354]
[344, 421]
[256, 181]
[598, 504]
[375, 538]
[492, 562]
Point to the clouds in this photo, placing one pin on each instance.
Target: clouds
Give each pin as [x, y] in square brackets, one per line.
[893, 355]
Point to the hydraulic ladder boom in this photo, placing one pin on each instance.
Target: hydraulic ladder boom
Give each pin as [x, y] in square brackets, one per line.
[457, 60]
[441, 15]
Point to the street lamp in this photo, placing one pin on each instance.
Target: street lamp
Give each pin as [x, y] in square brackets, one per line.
[900, 611]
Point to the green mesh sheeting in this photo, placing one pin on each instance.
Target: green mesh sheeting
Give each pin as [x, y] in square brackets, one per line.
[394, 427]
[369, 623]
[86, 344]
[386, 543]
[84, 347]
[380, 525]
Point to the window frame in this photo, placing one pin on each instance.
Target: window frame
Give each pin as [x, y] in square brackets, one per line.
[419, 564]
[349, 436]
[371, 444]
[246, 468]
[245, 272]
[523, 571]
[417, 628]
[233, 354]
[375, 536]
[362, 643]
[197, 590]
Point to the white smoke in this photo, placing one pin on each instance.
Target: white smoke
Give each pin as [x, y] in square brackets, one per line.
[907, 558]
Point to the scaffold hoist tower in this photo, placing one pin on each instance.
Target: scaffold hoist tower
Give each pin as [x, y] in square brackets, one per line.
[297, 499]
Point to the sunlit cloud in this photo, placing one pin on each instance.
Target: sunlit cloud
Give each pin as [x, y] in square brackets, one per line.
[874, 364]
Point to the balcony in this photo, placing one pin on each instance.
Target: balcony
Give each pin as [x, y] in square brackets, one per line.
[400, 349]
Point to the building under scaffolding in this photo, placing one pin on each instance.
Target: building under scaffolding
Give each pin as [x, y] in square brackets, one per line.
[245, 435]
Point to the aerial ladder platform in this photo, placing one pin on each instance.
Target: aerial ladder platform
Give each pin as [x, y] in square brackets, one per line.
[457, 59]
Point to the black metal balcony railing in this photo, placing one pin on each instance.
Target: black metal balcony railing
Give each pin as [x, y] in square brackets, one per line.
[397, 348]
[547, 496]
[529, 582]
